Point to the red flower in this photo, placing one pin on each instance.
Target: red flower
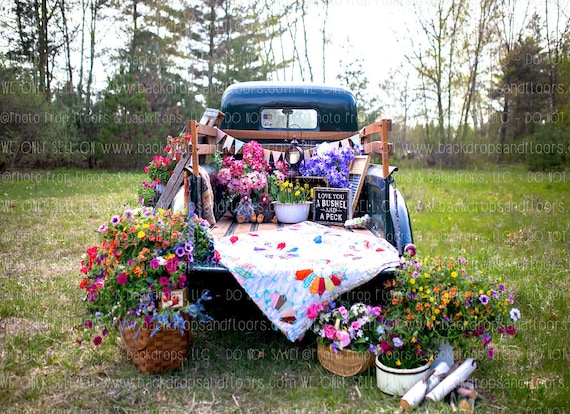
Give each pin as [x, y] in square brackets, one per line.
[83, 283]
[97, 340]
[234, 239]
[281, 246]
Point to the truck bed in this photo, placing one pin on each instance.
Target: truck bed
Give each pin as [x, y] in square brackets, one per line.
[226, 226]
[229, 300]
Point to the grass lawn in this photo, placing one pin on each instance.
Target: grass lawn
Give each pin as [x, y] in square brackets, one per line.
[515, 224]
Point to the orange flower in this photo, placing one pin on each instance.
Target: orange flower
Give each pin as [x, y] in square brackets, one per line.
[143, 253]
[137, 270]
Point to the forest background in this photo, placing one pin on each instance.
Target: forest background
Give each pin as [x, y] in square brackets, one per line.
[101, 83]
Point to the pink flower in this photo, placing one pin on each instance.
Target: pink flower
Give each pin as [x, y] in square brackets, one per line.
[355, 325]
[97, 340]
[164, 281]
[343, 337]
[122, 279]
[342, 310]
[172, 265]
[329, 331]
[154, 263]
[312, 311]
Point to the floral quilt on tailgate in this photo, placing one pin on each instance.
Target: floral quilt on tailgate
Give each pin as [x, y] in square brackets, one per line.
[287, 270]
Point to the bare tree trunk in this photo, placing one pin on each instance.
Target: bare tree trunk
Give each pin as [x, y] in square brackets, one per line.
[84, 5]
[306, 40]
[324, 31]
[67, 46]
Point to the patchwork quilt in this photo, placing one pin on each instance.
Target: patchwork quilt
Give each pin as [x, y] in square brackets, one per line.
[288, 269]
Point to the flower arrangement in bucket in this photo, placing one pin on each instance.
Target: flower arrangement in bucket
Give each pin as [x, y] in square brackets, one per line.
[330, 161]
[245, 177]
[451, 300]
[292, 199]
[136, 277]
[346, 336]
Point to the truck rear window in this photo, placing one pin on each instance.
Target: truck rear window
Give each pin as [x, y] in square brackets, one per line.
[284, 118]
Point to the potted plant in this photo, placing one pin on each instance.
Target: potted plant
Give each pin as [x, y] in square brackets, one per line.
[405, 351]
[135, 279]
[330, 161]
[454, 300]
[244, 180]
[292, 200]
[346, 336]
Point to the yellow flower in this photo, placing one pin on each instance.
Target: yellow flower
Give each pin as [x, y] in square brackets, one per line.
[426, 275]
[141, 234]
[398, 363]
[431, 299]
[145, 226]
[454, 274]
[412, 281]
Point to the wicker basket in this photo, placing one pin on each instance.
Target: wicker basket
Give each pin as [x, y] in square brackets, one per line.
[165, 351]
[346, 363]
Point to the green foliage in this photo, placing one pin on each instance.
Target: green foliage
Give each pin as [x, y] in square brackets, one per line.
[547, 149]
[35, 132]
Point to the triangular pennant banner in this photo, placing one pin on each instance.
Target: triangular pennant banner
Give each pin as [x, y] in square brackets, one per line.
[344, 143]
[228, 143]
[355, 139]
[239, 144]
[266, 155]
[276, 155]
[307, 154]
[220, 135]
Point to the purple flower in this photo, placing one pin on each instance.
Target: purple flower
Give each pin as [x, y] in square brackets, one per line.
[484, 299]
[97, 340]
[398, 343]
[179, 251]
[88, 324]
[115, 220]
[491, 352]
[486, 339]
[189, 247]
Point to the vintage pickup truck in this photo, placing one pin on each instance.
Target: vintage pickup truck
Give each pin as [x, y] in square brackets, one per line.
[284, 117]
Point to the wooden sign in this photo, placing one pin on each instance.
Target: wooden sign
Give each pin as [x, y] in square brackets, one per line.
[331, 205]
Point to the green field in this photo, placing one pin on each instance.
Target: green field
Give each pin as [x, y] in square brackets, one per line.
[515, 224]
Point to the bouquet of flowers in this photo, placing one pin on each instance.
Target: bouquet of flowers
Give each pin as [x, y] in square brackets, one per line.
[341, 327]
[402, 343]
[246, 176]
[448, 299]
[330, 161]
[158, 171]
[142, 256]
[289, 193]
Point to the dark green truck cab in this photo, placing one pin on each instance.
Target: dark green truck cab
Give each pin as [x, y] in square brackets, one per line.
[274, 114]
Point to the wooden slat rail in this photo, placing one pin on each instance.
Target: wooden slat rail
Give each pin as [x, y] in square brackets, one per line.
[212, 135]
